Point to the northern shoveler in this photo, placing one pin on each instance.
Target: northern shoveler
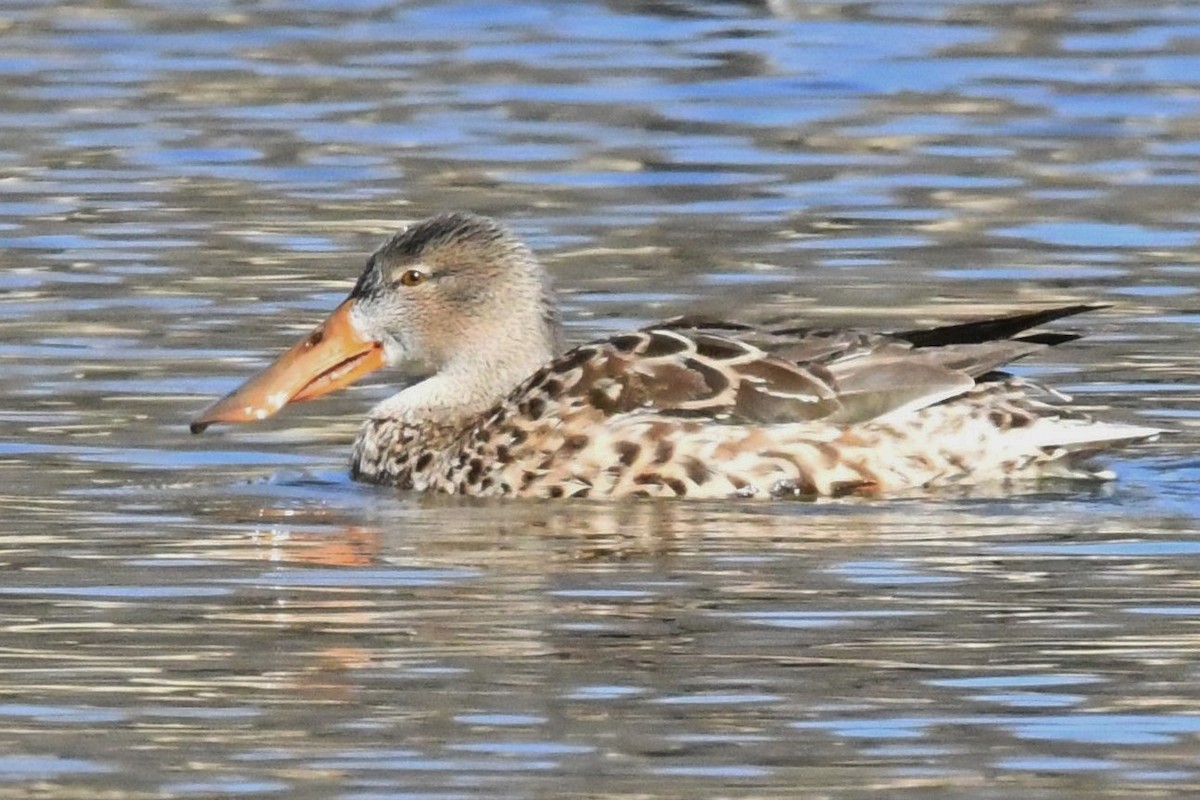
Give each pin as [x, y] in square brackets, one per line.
[678, 408]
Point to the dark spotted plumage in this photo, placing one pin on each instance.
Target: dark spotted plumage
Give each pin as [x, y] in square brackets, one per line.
[686, 409]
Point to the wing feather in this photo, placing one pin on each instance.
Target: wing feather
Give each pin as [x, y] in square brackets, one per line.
[735, 373]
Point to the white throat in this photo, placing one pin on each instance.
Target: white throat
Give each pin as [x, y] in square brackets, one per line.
[472, 383]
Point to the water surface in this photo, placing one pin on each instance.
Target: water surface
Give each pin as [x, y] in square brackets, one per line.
[186, 191]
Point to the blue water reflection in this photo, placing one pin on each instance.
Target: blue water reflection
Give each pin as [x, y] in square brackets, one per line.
[187, 190]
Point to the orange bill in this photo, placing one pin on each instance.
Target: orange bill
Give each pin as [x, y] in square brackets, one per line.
[332, 357]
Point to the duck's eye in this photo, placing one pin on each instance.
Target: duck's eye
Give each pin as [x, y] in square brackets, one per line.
[412, 277]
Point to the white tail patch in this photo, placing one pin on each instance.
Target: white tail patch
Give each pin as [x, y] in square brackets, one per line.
[1080, 435]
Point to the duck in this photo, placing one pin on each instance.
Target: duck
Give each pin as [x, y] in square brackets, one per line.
[682, 408]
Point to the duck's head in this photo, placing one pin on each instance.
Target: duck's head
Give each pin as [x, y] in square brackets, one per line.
[454, 294]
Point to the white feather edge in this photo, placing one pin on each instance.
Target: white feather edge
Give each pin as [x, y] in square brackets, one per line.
[1072, 433]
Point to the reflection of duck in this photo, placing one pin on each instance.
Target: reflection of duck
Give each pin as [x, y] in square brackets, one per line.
[679, 408]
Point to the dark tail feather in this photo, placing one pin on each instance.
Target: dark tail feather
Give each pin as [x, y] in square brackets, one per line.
[990, 330]
[1050, 339]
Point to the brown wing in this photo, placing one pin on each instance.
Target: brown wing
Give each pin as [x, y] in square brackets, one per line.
[704, 373]
[734, 373]
[689, 374]
[861, 374]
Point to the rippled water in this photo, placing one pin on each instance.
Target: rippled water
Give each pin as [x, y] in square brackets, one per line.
[183, 190]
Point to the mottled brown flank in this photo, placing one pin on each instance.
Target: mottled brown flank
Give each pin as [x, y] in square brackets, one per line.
[850, 459]
[712, 410]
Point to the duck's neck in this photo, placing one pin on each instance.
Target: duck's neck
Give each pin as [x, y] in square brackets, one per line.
[478, 377]
[445, 398]
[409, 438]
